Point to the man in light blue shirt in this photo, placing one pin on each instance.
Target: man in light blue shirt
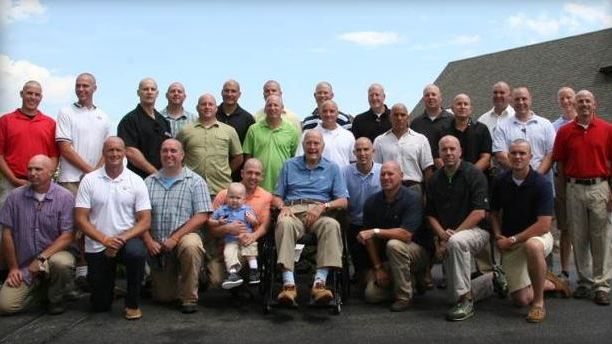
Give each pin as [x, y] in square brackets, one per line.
[308, 187]
[362, 181]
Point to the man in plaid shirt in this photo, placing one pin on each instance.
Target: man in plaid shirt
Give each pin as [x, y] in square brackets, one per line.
[181, 205]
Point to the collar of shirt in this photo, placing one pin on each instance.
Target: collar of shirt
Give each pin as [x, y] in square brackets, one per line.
[167, 115]
[532, 119]
[49, 195]
[122, 176]
[200, 124]
[31, 118]
[79, 106]
[320, 165]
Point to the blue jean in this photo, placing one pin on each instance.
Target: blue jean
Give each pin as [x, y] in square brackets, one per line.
[101, 275]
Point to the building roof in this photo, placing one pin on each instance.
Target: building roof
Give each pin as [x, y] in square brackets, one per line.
[580, 62]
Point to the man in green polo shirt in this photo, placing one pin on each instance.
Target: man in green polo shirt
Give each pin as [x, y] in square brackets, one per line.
[212, 148]
[272, 141]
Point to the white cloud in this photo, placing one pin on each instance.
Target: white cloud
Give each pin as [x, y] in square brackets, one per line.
[466, 40]
[16, 10]
[370, 38]
[574, 17]
[542, 25]
[594, 14]
[57, 89]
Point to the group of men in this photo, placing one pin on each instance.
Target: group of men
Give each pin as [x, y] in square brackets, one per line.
[439, 187]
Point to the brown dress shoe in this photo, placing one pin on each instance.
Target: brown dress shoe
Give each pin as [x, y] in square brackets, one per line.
[133, 313]
[401, 305]
[287, 295]
[320, 294]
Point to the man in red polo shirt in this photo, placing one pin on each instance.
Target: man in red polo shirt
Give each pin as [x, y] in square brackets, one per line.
[24, 133]
[583, 149]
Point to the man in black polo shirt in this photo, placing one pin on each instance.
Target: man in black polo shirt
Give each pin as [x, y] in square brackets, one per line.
[473, 136]
[456, 204]
[230, 113]
[393, 218]
[143, 130]
[522, 207]
[433, 120]
[323, 92]
[375, 121]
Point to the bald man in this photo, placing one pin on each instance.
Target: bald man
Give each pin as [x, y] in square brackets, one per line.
[457, 199]
[212, 149]
[143, 130]
[324, 92]
[24, 133]
[393, 219]
[501, 106]
[174, 112]
[31, 265]
[272, 87]
[362, 181]
[583, 152]
[375, 121]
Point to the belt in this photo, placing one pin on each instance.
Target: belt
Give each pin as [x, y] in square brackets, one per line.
[587, 181]
[410, 183]
[303, 201]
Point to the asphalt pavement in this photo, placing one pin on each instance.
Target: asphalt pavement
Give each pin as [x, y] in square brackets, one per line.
[223, 318]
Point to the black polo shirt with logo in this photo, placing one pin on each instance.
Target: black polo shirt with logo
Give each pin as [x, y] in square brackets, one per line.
[140, 131]
[369, 125]
[474, 140]
[451, 199]
[240, 120]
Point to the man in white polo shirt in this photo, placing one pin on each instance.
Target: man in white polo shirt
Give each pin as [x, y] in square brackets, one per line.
[113, 210]
[81, 130]
[339, 142]
[410, 149]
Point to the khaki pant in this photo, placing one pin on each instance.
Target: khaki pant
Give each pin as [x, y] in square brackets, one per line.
[462, 247]
[71, 186]
[235, 254]
[179, 277]
[515, 262]
[590, 231]
[327, 230]
[406, 260]
[61, 272]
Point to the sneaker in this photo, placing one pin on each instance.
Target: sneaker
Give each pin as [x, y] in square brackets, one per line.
[189, 307]
[582, 292]
[254, 276]
[536, 314]
[401, 305]
[560, 286]
[232, 281]
[133, 313]
[287, 295]
[500, 285]
[461, 311]
[602, 298]
[56, 308]
[320, 294]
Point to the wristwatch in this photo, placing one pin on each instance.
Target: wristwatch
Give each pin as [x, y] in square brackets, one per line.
[41, 258]
[326, 206]
[513, 240]
[376, 231]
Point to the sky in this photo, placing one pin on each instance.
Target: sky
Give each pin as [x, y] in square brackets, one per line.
[403, 45]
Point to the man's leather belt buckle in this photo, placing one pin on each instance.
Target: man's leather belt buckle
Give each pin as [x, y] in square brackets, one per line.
[588, 181]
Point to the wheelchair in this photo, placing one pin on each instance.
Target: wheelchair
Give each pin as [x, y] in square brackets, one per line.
[337, 279]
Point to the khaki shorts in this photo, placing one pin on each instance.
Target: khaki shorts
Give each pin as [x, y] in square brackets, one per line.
[514, 262]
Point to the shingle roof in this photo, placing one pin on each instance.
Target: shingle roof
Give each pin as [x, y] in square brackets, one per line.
[580, 62]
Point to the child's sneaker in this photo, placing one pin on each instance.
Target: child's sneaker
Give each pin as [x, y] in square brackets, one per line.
[232, 281]
[254, 276]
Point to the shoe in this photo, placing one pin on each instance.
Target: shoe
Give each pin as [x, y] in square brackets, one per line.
[232, 281]
[461, 311]
[582, 292]
[602, 298]
[82, 284]
[401, 305]
[536, 314]
[287, 295]
[189, 308]
[320, 294]
[254, 276]
[560, 286]
[56, 308]
[500, 285]
[133, 313]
